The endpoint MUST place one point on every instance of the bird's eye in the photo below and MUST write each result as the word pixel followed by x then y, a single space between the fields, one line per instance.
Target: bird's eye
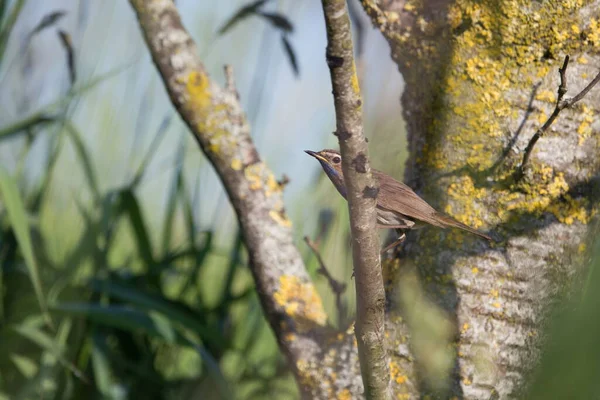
pixel 336 160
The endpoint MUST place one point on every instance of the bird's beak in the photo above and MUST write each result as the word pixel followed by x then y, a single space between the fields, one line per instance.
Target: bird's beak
pixel 315 155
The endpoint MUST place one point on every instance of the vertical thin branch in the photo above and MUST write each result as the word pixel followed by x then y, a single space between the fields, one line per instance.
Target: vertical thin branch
pixel 362 190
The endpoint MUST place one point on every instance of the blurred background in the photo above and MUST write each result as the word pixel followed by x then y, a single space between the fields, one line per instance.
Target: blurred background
pixel 115 228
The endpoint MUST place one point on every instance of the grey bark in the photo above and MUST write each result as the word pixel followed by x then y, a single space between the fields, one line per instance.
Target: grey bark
pixel 471 69
pixel 361 193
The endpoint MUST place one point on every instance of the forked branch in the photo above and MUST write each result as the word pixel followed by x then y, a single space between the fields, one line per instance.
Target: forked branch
pixel 560 105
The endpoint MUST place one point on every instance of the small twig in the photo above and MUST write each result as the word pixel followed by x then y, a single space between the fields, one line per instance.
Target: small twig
pixel 337 287
pixel 230 80
pixel 283 181
pixel 560 105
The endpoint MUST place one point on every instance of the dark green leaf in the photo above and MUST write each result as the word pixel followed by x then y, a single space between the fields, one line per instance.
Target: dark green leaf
pixel 129 204
pixel 291 55
pixel 242 14
pixel 114 316
pixel 279 21
pixel 175 311
pixel 47 21
pixel 173 196
pixel 65 40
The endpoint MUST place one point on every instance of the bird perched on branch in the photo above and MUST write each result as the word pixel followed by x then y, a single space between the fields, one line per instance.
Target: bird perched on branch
pixel 398 206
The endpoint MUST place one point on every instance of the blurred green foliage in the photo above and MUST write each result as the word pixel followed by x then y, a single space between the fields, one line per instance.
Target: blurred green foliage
pixel 93 304
pixel 570 364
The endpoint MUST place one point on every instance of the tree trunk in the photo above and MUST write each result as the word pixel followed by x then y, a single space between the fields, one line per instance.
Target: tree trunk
pixel 481 78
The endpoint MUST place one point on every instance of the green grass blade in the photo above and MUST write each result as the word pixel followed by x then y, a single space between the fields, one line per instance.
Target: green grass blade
pixel 35 120
pixel 115 316
pixel 86 161
pixel 129 205
pixel 174 193
pixel 154 146
pixel 56 347
pixel 18 220
pixel 176 312
pixel 7 27
pixel 101 366
pixel 215 373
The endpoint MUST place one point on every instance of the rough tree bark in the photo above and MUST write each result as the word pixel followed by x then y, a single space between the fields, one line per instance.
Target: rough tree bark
pixel 481 77
pixel 361 193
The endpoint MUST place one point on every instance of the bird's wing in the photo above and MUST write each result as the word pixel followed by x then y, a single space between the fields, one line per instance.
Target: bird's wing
pixel 396 196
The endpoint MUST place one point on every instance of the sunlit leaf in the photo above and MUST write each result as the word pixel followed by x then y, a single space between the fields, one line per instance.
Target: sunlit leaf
pixel 26 366
pixel 101 366
pixel 18 220
pixel 55 347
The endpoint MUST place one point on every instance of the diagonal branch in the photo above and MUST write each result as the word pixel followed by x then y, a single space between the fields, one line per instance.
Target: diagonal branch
pixel 215 118
pixel 362 198
pixel 338 288
pixel 560 105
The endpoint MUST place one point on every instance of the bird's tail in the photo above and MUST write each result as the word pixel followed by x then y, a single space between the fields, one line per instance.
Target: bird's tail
pixel 451 222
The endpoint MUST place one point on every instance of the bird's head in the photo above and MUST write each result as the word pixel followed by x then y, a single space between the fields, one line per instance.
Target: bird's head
pixel 331 161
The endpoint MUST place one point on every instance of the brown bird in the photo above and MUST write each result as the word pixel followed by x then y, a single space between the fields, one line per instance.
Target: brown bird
pixel 398 206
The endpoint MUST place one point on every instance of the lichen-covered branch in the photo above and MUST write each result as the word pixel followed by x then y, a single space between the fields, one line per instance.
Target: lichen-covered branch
pixel 470 68
pixel 362 197
pixel 214 116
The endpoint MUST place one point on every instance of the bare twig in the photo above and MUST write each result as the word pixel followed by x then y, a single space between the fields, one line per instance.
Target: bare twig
pixel 361 194
pixel 560 105
pixel 338 288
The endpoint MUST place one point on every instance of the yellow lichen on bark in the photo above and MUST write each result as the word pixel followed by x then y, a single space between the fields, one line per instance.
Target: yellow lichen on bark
pixel 495 55
pixel 197 85
pixel 301 302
